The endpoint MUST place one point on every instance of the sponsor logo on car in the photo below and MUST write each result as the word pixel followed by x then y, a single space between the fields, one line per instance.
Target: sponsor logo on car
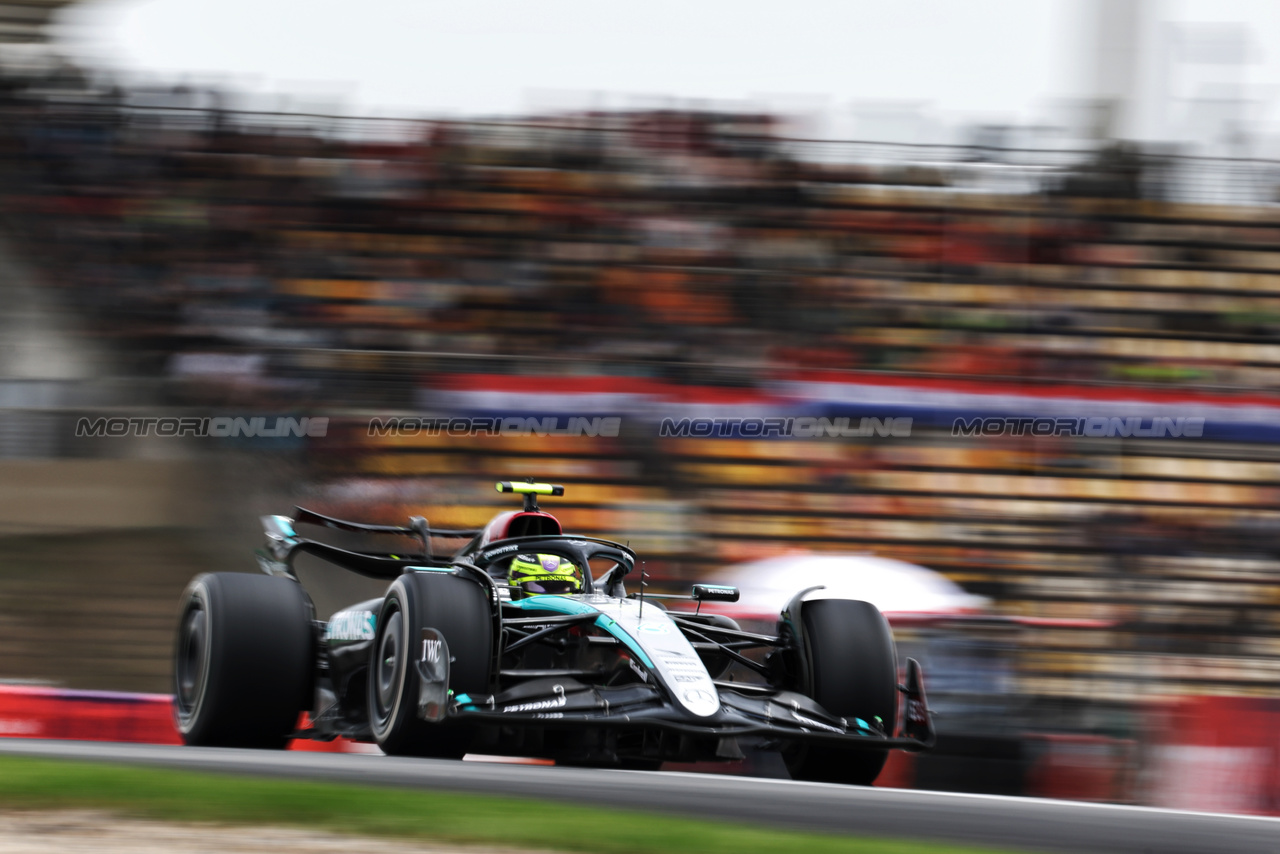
pixel 699 701
pixel 554 703
pixel 916 712
pixel 810 722
pixel 351 626
pixel 430 650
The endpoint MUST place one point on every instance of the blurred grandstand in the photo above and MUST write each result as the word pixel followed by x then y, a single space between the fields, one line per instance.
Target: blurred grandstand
pixel 24 21
pixel 669 263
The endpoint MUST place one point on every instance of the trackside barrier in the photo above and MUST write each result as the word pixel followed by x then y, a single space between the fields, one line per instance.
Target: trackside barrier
pixel 27 712
pixel 1220 754
pixel 90 715
pixel 1080 767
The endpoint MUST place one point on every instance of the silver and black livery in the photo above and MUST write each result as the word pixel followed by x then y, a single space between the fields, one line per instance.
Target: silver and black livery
pixel 448 661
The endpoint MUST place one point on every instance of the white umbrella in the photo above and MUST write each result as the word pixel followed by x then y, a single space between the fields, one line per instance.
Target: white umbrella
pixel 893 586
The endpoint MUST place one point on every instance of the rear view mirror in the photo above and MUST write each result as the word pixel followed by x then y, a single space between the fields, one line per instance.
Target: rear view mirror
pixel 714 593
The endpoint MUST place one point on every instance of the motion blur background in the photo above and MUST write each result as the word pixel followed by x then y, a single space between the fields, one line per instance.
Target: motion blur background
pixel 366 210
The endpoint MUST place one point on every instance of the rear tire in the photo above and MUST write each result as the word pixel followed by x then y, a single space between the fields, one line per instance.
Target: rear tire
pixel 852 671
pixel 243 660
pixel 459 609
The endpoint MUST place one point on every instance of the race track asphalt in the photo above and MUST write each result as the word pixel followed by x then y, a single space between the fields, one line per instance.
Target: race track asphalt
pixel 1018 823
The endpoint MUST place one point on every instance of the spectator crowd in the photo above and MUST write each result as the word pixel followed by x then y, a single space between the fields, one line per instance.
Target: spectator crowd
pixel 701 247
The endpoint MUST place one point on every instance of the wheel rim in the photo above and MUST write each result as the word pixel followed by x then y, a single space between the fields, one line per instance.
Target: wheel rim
pixel 388 670
pixel 191 657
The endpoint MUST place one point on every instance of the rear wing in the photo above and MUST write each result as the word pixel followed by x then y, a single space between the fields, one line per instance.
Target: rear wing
pixel 284 544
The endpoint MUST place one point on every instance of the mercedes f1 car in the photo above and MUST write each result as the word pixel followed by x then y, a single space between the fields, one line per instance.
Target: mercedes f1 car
pixel 465 654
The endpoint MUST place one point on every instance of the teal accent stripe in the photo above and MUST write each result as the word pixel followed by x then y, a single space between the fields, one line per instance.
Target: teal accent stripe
pixel 553 603
pixel 604 621
pixel 431 568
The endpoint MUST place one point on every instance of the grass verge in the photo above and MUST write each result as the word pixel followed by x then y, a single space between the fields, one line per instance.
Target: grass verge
pixel 376 811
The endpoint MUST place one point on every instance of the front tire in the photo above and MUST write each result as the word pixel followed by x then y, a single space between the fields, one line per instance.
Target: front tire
pixel 243 660
pixel 459 609
pixel 851 670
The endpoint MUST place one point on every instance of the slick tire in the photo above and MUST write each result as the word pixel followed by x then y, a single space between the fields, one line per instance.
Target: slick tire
pixel 851 670
pixel 243 660
pixel 459 609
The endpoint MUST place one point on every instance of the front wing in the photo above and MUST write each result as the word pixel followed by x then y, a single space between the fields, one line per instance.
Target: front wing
pixel 745 711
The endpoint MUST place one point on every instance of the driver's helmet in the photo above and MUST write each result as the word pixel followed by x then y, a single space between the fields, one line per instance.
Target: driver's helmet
pixel 534 575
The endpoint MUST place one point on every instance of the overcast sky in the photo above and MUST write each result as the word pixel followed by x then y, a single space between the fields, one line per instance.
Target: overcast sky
pixel 959 60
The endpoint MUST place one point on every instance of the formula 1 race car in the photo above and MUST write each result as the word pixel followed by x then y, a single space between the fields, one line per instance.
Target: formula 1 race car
pixel 526 643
